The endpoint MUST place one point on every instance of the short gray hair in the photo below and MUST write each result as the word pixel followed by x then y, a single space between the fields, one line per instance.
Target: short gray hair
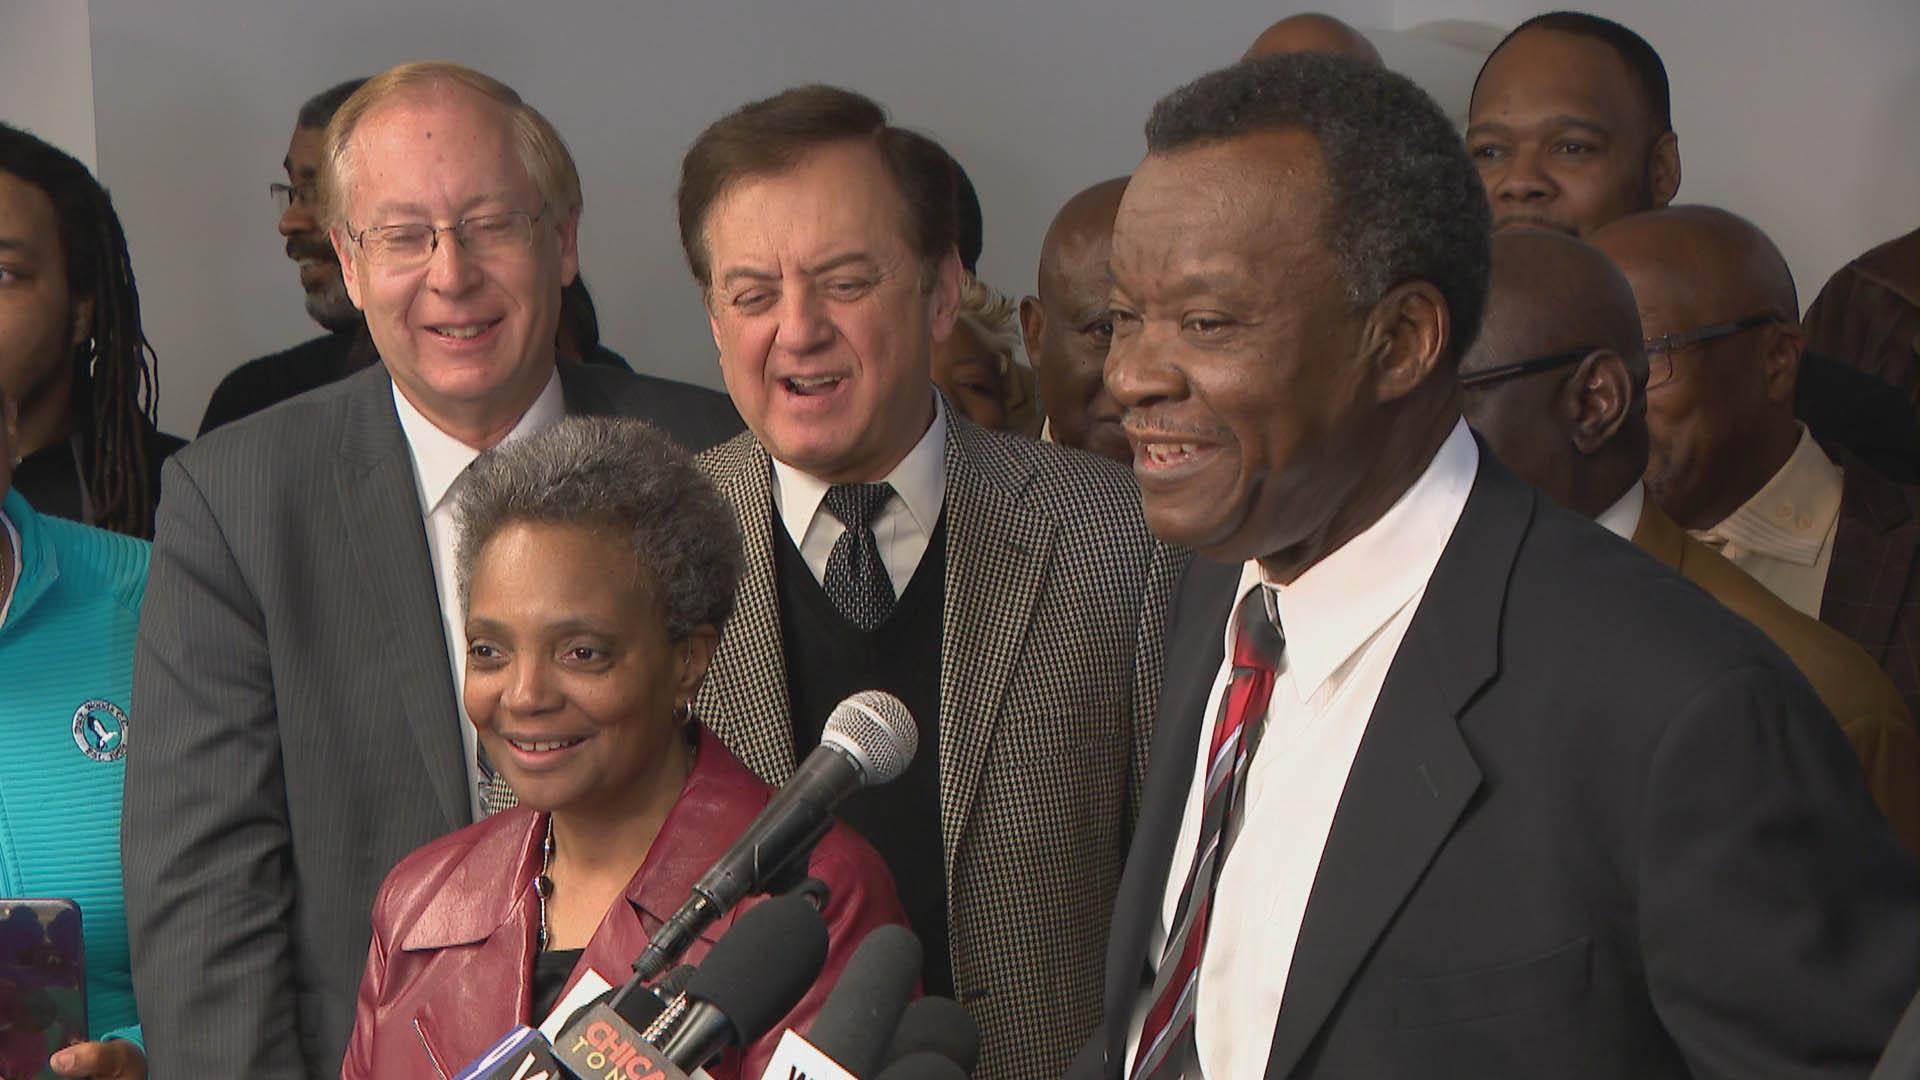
pixel 622 475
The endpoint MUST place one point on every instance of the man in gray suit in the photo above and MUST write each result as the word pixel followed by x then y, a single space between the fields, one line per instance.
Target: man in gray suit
pixel 1007 590
pixel 300 652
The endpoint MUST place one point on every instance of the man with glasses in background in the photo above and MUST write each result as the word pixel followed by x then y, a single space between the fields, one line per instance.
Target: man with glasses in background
pixel 274 378
pixel 1730 462
pixel 301 650
pixel 1555 385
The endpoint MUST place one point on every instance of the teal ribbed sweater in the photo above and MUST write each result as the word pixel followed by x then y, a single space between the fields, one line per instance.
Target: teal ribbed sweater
pixel 66 677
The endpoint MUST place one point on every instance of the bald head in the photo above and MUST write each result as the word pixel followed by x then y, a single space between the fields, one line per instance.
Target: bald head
pixel 1066 327
pixel 1313 32
pixel 1576 428
pixel 1713 257
pixel 1720 406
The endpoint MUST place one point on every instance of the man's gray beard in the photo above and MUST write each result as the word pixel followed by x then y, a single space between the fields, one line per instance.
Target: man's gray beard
pixel 333 309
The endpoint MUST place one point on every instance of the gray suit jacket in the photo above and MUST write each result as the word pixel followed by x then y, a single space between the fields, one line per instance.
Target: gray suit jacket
pixel 1055 603
pixel 298 732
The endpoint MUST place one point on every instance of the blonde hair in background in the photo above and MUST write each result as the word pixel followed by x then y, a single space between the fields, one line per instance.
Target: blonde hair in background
pixel 994 320
pixel 990 317
pixel 543 153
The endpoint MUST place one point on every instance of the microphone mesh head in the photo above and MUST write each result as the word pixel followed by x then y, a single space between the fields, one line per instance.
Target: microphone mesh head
pixel 875 728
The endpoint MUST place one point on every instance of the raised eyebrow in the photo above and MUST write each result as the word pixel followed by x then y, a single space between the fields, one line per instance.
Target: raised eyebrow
pixel 827 266
pixel 747 273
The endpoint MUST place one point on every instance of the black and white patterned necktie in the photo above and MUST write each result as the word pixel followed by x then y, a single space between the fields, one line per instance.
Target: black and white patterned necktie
pixel 857 580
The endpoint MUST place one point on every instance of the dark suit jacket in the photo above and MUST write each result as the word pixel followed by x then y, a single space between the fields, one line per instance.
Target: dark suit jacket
pixel 1597 827
pixel 1054 601
pixel 1873 583
pixel 298 732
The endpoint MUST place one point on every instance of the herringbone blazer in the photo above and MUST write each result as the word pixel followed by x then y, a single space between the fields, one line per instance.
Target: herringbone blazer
pixel 1873 583
pixel 1055 601
pixel 297 732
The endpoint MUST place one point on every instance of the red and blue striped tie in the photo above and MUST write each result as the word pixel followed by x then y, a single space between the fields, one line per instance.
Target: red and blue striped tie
pixel 1166 1036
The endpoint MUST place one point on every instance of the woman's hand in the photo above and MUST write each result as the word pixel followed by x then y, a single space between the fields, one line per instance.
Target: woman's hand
pixel 116 1059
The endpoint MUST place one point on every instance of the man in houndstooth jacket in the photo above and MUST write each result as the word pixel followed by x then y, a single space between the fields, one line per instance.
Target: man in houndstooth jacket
pixel 1007 590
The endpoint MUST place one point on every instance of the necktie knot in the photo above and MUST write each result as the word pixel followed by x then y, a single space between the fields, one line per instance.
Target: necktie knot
pixel 857 504
pixel 1257 639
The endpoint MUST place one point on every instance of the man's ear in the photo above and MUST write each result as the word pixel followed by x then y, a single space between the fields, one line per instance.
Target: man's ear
pixel 1780 365
pixel 948 280
pixel 569 248
pixel 82 318
pixel 349 270
pixel 1663 169
pixel 1405 336
pixel 1033 325
pixel 1595 401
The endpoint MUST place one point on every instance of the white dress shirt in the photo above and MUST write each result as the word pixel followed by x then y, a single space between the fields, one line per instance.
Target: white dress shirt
pixel 1784 535
pixel 1343 620
pixel 902 528
pixel 439 460
pixel 1622 519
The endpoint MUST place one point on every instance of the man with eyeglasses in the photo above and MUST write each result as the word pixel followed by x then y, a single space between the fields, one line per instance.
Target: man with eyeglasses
pixel 1555 385
pixel 271 379
pixel 1730 461
pixel 302 649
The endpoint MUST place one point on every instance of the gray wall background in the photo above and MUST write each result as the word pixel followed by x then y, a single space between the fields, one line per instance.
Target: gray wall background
pixel 1797 117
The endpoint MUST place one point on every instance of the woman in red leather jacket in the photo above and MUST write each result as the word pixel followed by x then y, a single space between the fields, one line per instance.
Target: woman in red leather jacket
pixel 596 566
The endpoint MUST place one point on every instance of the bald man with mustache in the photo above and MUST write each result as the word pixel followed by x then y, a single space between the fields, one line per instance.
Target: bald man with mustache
pixel 1555 384
pixel 1066 326
pixel 1730 461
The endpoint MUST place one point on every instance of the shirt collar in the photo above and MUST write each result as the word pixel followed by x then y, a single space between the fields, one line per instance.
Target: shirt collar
pixel 1622 519
pixel 919 482
pixel 35 563
pixel 1343 600
pixel 1792 513
pixel 439 458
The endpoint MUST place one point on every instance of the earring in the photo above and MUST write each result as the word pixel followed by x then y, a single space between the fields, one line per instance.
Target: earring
pixel 683 713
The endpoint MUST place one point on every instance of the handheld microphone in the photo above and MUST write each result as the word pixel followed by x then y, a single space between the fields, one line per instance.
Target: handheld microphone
pixel 941 1026
pixel 869 739
pixel 753 976
pixel 635 1004
pixel 923 1065
pixel 857 1021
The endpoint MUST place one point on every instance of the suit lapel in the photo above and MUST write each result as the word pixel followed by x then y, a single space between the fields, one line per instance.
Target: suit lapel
pixel 745 700
pixel 1414 774
pixel 1195 647
pixel 388 537
pixel 997 557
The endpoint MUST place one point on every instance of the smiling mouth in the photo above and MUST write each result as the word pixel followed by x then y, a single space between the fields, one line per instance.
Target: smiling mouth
pixel 463 331
pixel 1169 453
pixel 544 746
pixel 809 385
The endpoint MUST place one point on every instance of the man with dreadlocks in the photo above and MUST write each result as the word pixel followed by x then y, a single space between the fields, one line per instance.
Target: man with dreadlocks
pixel 72 354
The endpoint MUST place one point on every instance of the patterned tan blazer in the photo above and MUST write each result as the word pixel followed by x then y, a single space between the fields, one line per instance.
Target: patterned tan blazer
pixel 1055 604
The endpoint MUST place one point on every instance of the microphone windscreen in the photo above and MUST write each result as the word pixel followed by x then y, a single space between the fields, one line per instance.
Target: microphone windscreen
pixel 877 731
pixel 938 1025
pixel 856 1022
pixel 761 968
pixel 923 1065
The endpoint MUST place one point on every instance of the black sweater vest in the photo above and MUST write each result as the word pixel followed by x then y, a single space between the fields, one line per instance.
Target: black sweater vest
pixel 829 659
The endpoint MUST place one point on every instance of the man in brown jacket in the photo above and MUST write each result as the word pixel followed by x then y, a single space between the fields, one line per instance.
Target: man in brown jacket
pixel 1555 385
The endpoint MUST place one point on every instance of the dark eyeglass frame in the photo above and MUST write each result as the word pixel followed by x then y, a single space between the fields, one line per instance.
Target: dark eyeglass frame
pixel 1667 343
pixel 1503 372
pixel 285 195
